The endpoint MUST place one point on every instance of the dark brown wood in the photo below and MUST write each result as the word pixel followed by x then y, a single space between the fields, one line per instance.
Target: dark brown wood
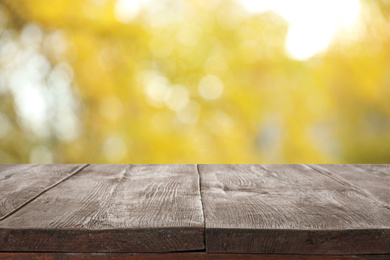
pixel 273 209
pixel 288 209
pixel 173 256
pixel 112 208
pixel 21 183
pixel 372 180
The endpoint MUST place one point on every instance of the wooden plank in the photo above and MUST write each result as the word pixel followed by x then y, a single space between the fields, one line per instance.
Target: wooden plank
pixel 373 180
pixel 21 183
pixel 113 208
pixel 288 209
pixel 173 256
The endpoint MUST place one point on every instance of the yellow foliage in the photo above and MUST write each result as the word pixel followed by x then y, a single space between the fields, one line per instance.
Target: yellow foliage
pixel 99 81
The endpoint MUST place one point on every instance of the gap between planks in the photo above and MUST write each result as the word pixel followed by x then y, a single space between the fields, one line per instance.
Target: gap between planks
pixel 42 192
pixel 201 202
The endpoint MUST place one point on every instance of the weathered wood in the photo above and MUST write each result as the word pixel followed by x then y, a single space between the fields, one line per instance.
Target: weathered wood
pixel 173 256
pixel 371 179
pixel 112 208
pixel 289 209
pixel 19 184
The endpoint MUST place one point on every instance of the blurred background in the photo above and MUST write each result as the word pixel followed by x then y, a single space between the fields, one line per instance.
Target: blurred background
pixel 194 81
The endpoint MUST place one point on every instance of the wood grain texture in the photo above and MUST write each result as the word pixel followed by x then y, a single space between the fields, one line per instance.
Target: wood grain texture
pixel 372 180
pixel 21 183
pixel 172 256
pixel 113 208
pixel 288 209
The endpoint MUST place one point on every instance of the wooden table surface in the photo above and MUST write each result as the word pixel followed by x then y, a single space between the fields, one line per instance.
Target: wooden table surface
pixel 195 210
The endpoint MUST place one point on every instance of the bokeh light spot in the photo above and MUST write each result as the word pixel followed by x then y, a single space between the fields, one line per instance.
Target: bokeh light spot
pixel 177 97
pixel 312 24
pixel 115 148
pixel 210 87
pixel 127 10
pixel 190 113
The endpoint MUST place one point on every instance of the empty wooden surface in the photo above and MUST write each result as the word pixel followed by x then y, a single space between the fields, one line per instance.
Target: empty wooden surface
pixel 21 183
pixel 290 209
pixel 373 180
pixel 112 208
pixel 251 209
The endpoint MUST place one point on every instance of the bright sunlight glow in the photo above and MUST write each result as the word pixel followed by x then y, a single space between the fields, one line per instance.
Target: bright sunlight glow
pixel 312 23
